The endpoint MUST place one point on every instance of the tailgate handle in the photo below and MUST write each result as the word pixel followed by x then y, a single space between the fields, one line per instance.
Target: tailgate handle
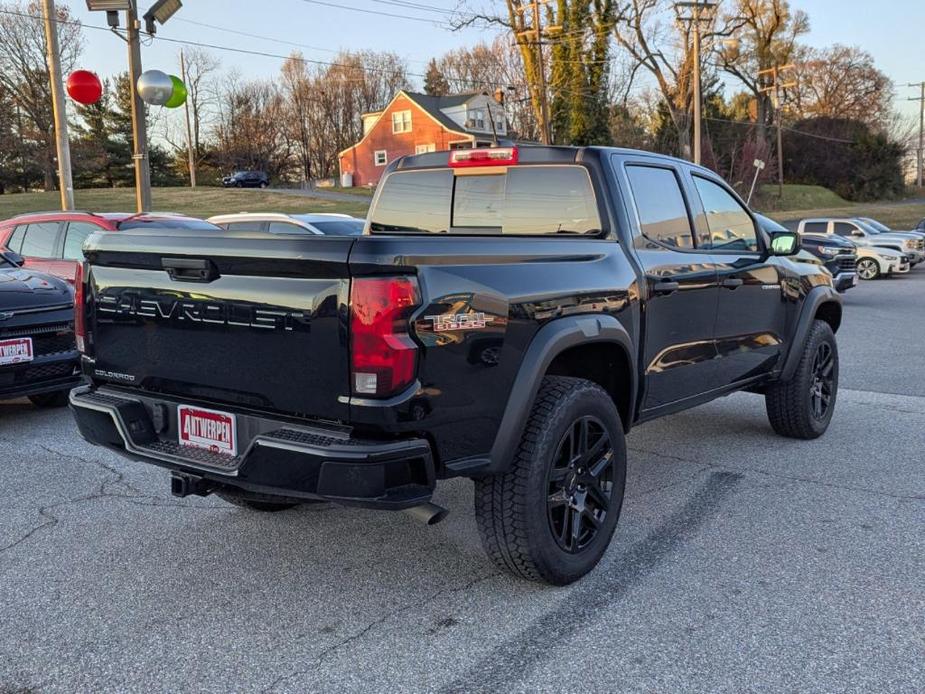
pixel 190 269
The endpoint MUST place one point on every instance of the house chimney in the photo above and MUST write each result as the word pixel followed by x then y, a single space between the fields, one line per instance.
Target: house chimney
pixel 499 96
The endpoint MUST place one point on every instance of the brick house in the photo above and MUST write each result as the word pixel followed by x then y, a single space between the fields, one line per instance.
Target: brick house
pixel 413 123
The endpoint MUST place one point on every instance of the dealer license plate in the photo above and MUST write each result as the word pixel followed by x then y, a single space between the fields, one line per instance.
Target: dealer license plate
pixel 15 351
pixel 208 429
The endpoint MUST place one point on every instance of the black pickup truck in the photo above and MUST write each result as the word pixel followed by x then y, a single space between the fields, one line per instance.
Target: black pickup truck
pixel 507 316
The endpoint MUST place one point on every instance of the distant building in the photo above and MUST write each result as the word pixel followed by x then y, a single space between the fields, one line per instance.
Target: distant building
pixel 414 123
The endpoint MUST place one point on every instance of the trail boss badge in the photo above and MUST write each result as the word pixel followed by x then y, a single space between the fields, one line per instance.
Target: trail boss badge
pixel 459 321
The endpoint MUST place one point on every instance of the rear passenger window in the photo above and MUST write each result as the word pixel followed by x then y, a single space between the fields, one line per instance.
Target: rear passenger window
pixel 77 233
pixel 40 239
pixel 15 242
pixel 844 229
pixel 731 227
pixel 286 228
pixel 660 205
pixel 518 200
pixel 815 227
pixel 245 226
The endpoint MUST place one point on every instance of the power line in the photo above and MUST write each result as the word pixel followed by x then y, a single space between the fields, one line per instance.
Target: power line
pixel 376 12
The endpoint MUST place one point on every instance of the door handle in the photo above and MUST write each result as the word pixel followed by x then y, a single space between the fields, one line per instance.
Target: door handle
pixel 733 283
pixel 665 287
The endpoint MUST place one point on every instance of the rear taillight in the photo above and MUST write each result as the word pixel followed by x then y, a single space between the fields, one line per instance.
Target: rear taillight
pixel 383 357
pixel 80 312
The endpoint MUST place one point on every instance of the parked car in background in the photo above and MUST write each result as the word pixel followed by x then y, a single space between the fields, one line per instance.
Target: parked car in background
pixel 328 224
pixel 51 241
pixel 38 350
pixel 874 262
pixel 884 229
pixel 864 234
pixel 247 179
pixel 838 255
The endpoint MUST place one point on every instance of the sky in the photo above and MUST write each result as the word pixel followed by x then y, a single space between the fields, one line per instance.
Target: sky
pixel 319 28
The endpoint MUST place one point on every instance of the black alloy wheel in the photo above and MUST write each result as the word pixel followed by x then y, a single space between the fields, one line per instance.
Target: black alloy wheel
pixel 580 484
pixel 823 381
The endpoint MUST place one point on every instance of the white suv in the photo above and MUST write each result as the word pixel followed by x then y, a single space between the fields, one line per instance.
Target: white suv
pixel 325 224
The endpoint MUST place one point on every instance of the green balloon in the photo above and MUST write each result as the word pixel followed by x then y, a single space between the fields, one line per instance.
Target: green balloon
pixel 178 97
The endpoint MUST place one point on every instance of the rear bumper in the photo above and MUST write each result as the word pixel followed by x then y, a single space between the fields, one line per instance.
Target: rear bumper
pixel 44 374
pixel 276 456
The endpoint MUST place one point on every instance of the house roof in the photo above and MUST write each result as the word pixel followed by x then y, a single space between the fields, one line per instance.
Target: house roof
pixel 434 105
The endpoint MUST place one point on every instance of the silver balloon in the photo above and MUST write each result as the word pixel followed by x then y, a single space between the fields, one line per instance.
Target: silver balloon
pixel 155 87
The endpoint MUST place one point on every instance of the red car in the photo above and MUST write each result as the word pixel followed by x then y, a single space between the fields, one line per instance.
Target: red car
pixel 51 241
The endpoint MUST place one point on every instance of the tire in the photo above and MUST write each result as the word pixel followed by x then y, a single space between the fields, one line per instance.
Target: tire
pixel 263 185
pixel 254 502
pixel 868 269
pixel 526 515
pixel 802 407
pixel 239 185
pixel 48 400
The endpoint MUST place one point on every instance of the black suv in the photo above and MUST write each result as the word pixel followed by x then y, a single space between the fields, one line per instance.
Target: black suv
pixel 507 316
pixel 38 353
pixel 246 179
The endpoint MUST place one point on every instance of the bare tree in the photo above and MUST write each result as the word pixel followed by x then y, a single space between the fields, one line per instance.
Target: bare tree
pixel 768 31
pixel 842 82
pixel 664 50
pixel 24 73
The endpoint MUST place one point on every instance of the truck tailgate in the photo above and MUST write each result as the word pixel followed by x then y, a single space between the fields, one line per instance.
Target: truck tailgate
pixel 249 320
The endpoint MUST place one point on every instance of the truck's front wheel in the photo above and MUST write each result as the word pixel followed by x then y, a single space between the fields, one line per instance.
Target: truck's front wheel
pixel 550 517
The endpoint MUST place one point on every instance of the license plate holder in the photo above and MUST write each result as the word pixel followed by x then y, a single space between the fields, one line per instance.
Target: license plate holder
pixel 16 351
pixel 209 430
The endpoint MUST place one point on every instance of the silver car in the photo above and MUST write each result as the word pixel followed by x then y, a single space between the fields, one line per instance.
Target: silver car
pixel 324 224
pixel 863 234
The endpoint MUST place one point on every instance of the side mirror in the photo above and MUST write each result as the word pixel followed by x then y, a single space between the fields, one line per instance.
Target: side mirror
pixel 857 232
pixel 783 243
pixel 14 258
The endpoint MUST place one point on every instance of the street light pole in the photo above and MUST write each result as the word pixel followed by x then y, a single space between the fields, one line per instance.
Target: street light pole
pixel 58 106
pixel 693 14
pixel 139 130
pixel 921 153
pixel 190 149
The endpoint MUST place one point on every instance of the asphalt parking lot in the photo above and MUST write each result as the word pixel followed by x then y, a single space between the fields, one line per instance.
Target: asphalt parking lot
pixel 743 562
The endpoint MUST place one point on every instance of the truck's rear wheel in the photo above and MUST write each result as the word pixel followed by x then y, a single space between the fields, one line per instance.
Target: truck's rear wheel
pixel 255 502
pixel 802 407
pixel 550 517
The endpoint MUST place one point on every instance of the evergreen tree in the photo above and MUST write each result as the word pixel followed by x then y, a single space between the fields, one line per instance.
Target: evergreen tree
pixel 435 83
pixel 580 110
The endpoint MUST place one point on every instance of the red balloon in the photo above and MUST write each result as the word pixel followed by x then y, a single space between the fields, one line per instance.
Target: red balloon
pixel 84 87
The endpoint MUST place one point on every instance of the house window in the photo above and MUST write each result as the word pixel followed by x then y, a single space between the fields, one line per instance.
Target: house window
pixel 421 149
pixel 476 119
pixel 381 157
pixel 401 122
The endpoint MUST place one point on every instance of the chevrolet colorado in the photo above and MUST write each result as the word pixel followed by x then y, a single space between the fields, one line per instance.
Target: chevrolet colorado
pixel 507 316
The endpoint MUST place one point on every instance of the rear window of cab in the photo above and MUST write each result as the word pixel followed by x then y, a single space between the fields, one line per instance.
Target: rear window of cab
pixel 516 200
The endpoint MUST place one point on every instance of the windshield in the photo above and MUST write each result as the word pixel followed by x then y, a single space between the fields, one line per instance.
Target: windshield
pixel 340 227
pixel 866 227
pixel 874 224
pixel 526 200
pixel 166 223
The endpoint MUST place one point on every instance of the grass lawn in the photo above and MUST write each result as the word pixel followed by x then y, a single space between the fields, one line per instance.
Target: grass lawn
pixel 798 197
pixel 199 202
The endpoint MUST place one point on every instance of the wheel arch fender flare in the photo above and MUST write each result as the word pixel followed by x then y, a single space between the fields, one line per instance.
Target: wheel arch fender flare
pixel 830 303
pixel 550 341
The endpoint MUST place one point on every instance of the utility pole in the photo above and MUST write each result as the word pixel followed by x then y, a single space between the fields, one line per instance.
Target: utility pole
pixel 58 106
pixel 696 15
pixel 139 130
pixel 537 32
pixel 921 153
pixel 189 130
pixel 773 87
